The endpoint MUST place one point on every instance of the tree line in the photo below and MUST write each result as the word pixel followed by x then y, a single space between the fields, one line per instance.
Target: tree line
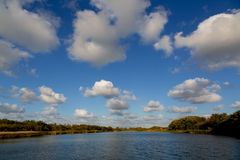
pixel 218 124
pixel 31 125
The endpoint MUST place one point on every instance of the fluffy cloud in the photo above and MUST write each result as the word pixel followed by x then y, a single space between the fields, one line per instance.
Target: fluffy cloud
pixel 164 44
pixel 25 28
pixel 153 25
pixel 153 106
pixel 116 99
pixel 95 40
pixel 125 14
pixel 82 113
pixel 218 108
pixel 10 55
pixel 153 117
pixel 50 97
pixel 117 104
pixel 97 35
pixel 101 88
pixel 28 30
pixel 215 43
pixel 236 105
pixel 10 108
pixel 176 109
pixel 25 94
pixel 198 90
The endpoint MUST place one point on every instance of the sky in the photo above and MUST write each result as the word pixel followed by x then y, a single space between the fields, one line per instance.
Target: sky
pixel 118 63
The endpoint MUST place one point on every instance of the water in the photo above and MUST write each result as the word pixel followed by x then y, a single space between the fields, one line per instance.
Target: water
pixel 121 146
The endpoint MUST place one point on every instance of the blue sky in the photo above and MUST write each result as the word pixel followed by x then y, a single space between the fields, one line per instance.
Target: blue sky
pixel 118 63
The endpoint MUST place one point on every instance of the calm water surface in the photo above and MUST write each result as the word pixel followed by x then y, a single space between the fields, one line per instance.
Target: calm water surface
pixel 122 146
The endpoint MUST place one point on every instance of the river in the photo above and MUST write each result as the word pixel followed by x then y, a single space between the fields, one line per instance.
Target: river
pixel 121 146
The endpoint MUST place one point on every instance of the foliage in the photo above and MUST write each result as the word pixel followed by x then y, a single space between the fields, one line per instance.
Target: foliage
pixel 186 123
pixel 229 127
pixel 220 124
pixel 10 125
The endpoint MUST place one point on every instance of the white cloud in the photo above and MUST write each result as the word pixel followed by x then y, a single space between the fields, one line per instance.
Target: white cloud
pixel 153 25
pixel 50 97
pixel 236 105
pixel 215 43
pixel 153 117
pixel 25 94
pixel 128 96
pixel 117 104
pixel 164 44
pixel 198 90
pixel 95 40
pixel 218 108
pixel 101 88
pixel 82 113
pixel 125 13
pixel 10 55
pixel 50 111
pixel 98 34
pixel 176 109
pixel 26 28
pixel 116 99
pixel 153 106
pixel 7 108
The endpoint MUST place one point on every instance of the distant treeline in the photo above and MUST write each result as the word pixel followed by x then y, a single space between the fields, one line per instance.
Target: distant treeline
pixel 31 125
pixel 218 124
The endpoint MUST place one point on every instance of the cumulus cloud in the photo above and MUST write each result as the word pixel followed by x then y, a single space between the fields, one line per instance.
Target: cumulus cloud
pixel 196 91
pixel 50 97
pixel 10 55
pixel 95 40
pixel 23 29
pixel 218 108
pixel 176 109
pixel 101 88
pixel 98 35
pixel 236 105
pixel 153 25
pixel 116 104
pixel 215 42
pixel 125 14
pixel 26 28
pixel 164 44
pixel 153 106
pixel 153 117
pixel 7 108
pixel 82 114
pixel 116 99
pixel 26 95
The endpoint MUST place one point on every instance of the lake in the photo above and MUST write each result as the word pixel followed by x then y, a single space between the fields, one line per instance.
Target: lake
pixel 121 146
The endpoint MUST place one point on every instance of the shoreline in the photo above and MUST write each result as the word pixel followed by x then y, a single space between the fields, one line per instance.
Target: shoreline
pixel 28 134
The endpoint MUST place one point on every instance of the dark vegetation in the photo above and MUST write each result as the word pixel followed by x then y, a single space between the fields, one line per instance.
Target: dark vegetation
pixel 32 128
pixel 10 125
pixel 218 124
